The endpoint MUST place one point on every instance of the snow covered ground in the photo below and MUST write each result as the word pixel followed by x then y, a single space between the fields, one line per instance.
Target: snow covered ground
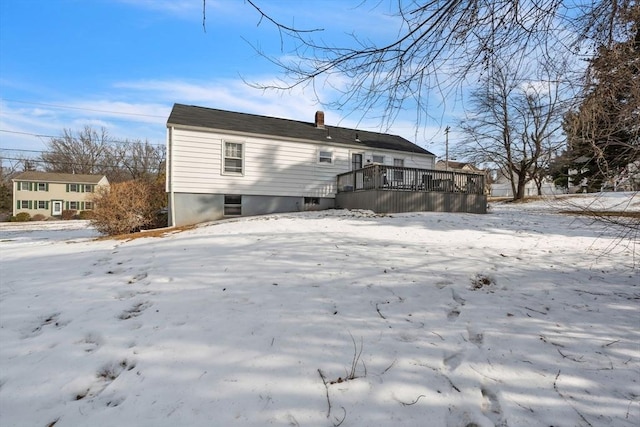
pixel 521 317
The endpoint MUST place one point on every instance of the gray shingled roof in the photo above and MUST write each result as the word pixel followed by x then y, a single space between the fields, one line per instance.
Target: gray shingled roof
pixel 70 178
pixel 210 118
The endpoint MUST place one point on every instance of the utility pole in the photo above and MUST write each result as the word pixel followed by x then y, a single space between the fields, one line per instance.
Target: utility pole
pixel 446 147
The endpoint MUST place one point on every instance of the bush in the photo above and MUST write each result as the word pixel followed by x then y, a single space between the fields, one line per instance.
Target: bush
pixel 38 217
pixel 69 214
pixel 85 215
pixel 21 217
pixel 127 207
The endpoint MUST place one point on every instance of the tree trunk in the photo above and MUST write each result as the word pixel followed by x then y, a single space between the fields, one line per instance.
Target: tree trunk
pixel 522 181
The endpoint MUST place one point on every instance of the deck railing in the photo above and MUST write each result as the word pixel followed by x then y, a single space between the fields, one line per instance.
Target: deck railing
pixel 383 177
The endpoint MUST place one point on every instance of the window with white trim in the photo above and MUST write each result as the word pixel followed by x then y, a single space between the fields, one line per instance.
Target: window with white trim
pixel 88 206
pixel 74 188
pixel 24 204
pixel 233 158
pixel 23 186
pixel 74 206
pixel 42 186
pixel 377 159
pixel 42 204
pixel 88 188
pixel 325 156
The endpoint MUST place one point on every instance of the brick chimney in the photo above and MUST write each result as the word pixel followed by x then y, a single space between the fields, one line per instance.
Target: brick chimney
pixel 320 119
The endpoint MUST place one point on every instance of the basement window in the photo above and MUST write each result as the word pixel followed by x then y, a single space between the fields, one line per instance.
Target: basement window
pixel 232 205
pixel 313 201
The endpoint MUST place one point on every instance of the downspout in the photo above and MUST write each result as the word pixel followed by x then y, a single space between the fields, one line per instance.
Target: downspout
pixel 172 198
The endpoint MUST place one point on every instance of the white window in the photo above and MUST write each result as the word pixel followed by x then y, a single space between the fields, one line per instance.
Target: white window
pixel 23 186
pixel 74 206
pixel 42 204
pixel 398 175
pixel 356 161
pixel 88 206
pixel 377 159
pixel 88 188
pixel 232 205
pixel 42 186
pixel 233 158
pixel 24 204
pixel 74 188
pixel 325 156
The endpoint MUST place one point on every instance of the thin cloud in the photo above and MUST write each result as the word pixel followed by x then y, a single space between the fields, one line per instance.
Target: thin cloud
pixel 180 8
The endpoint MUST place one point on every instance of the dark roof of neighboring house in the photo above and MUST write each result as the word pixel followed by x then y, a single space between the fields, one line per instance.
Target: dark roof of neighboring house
pixel 71 178
pixel 210 118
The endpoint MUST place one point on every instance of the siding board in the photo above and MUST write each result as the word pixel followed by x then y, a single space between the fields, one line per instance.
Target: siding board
pixel 271 167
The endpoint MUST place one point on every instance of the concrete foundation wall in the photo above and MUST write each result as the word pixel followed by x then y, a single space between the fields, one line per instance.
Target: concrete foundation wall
pixel 197 208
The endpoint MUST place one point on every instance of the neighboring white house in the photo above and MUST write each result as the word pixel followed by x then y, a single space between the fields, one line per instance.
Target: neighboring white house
pixel 501 187
pixel 224 164
pixel 49 194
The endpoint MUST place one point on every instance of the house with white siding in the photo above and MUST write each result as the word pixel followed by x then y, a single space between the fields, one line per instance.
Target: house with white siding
pixel 48 194
pixel 223 164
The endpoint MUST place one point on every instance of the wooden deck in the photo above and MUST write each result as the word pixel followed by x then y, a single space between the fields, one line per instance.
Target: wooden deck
pixel 391 189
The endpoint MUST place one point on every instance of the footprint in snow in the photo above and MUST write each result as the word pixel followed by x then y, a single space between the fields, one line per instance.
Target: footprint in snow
pixel 138 277
pixel 135 311
pixel 441 284
pixel 91 342
pixel 453 314
pixel 104 377
pixel 452 361
pixel 491 407
pixel 457 298
pixel 475 337
pixel 49 320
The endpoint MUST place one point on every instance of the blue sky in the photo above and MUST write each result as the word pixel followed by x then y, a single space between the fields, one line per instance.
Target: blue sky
pixel 121 64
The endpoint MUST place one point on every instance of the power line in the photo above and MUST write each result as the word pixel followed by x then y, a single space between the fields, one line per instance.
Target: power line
pixel 97 165
pixel 23 151
pixel 116 141
pixel 82 109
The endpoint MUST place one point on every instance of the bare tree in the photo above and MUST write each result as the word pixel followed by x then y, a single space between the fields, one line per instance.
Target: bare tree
pixel 94 152
pixel 84 152
pixel 142 160
pixel 513 124
pixel 541 111
pixel 440 43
